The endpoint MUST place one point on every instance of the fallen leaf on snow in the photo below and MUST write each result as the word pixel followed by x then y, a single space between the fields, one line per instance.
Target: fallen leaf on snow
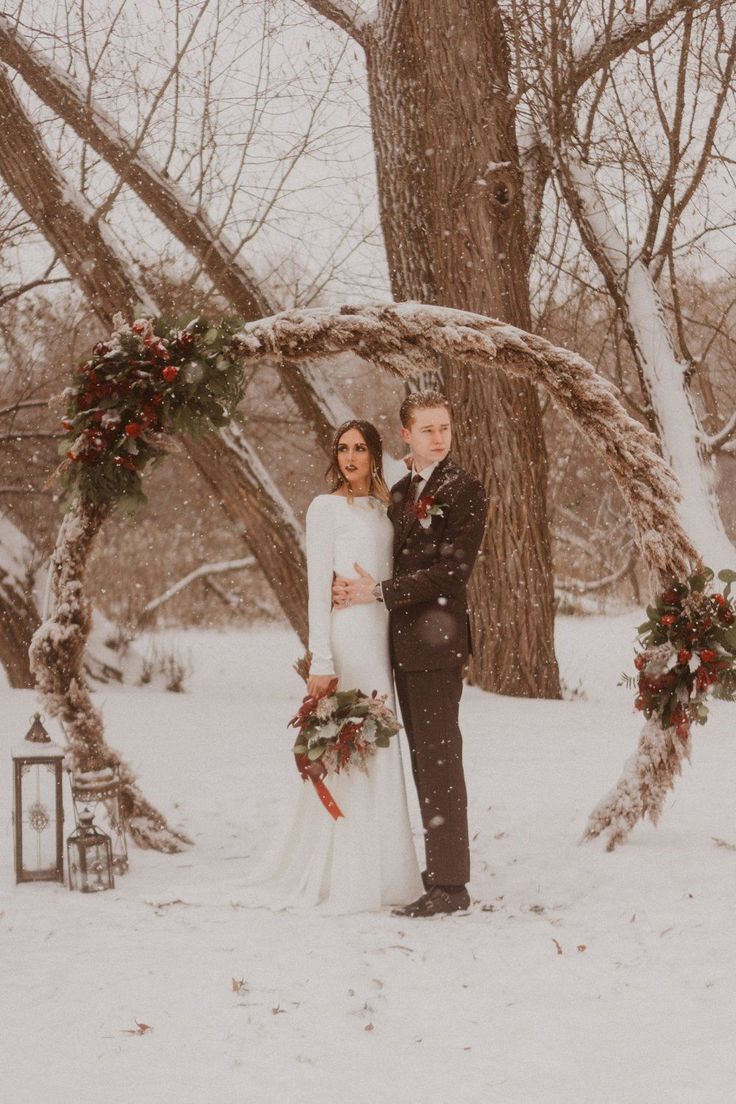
pixel 239 984
pixel 278 1009
pixel 139 1029
pixel 723 843
pixel 558 946
pixel 369 1027
pixel 582 947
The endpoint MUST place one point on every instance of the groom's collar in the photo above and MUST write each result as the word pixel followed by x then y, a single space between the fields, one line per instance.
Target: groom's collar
pixel 425 473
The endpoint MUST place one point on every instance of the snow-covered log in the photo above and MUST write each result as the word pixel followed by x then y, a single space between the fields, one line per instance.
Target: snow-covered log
pixel 402 337
pixel 663 375
pixel 57 657
pixel 204 571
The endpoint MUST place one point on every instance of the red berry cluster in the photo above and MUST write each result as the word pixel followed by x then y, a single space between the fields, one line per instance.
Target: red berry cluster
pixel 145 380
pixel 118 396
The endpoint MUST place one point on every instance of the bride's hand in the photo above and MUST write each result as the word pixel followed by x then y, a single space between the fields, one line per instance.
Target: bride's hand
pixel 339 592
pixel 319 685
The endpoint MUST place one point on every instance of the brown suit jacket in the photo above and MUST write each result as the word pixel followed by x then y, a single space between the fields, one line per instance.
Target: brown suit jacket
pixel 426 598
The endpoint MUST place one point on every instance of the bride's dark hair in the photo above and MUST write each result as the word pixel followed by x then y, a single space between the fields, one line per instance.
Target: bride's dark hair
pixel 372 438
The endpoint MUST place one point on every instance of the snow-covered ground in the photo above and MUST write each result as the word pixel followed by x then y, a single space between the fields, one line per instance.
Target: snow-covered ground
pixel 579 977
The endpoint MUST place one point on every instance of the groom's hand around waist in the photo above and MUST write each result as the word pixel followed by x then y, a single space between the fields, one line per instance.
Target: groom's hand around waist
pixel 354 592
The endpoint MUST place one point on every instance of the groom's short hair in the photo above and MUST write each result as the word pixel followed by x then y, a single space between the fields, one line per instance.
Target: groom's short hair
pixel 420 400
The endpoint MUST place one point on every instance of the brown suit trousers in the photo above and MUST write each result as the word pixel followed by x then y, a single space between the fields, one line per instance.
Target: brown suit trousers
pixel 429 703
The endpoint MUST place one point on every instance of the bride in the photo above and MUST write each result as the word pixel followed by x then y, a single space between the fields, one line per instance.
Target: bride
pixel 365 859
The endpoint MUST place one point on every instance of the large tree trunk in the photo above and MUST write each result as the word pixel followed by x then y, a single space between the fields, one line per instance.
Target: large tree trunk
pixel 452 213
pixel 240 490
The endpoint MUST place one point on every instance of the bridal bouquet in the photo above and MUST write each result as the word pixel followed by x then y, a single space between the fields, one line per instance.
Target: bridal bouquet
pixel 340 728
pixel 343 728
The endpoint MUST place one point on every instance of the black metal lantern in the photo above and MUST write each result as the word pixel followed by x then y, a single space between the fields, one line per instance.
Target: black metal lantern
pixel 99 791
pixel 89 857
pixel 39 811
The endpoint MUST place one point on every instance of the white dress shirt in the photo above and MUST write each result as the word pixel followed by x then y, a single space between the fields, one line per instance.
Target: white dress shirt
pixel 425 474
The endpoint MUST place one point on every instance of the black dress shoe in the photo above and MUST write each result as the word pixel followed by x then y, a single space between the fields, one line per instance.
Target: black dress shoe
pixel 436 902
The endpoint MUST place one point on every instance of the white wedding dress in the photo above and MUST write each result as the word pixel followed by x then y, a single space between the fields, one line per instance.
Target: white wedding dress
pixel 366 859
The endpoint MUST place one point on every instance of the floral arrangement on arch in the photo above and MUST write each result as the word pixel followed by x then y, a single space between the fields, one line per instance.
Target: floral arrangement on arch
pixel 149 380
pixel 688 650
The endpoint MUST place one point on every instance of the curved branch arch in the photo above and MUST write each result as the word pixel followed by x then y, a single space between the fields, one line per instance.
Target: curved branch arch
pixel 403 339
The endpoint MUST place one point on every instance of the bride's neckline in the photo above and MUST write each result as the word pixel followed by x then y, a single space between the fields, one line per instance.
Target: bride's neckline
pixel 369 498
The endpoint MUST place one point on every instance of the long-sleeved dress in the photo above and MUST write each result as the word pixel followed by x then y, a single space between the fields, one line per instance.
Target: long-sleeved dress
pixel 367 858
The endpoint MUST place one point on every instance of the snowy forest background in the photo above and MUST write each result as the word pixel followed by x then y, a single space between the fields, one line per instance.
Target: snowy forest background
pixel 258 112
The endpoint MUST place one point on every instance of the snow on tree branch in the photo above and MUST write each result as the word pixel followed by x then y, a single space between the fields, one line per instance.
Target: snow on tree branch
pixel 662 374
pixel 578 586
pixel 56 207
pixel 201 572
pixel 719 439
pixel 404 338
pixel 647 778
pixel 626 29
pixel 346 14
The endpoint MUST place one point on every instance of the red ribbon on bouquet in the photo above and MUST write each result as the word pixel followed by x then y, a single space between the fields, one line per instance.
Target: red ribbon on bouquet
pixel 322 792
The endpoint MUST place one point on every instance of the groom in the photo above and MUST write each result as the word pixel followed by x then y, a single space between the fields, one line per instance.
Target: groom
pixel 438 512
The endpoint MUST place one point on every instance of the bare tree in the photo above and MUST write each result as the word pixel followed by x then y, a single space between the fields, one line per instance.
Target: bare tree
pixel 228 462
pixel 607 164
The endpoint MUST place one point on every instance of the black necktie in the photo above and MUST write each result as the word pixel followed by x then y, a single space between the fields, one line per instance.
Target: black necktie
pixel 411 496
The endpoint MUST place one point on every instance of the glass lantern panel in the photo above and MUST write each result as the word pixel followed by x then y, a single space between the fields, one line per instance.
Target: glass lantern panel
pixel 90 865
pixel 109 819
pixel 38 813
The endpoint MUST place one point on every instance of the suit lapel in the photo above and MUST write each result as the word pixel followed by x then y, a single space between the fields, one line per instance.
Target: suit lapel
pixel 404 528
pixel 396 510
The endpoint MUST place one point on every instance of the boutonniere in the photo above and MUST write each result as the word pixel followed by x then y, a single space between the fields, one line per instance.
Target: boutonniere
pixel 427 507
